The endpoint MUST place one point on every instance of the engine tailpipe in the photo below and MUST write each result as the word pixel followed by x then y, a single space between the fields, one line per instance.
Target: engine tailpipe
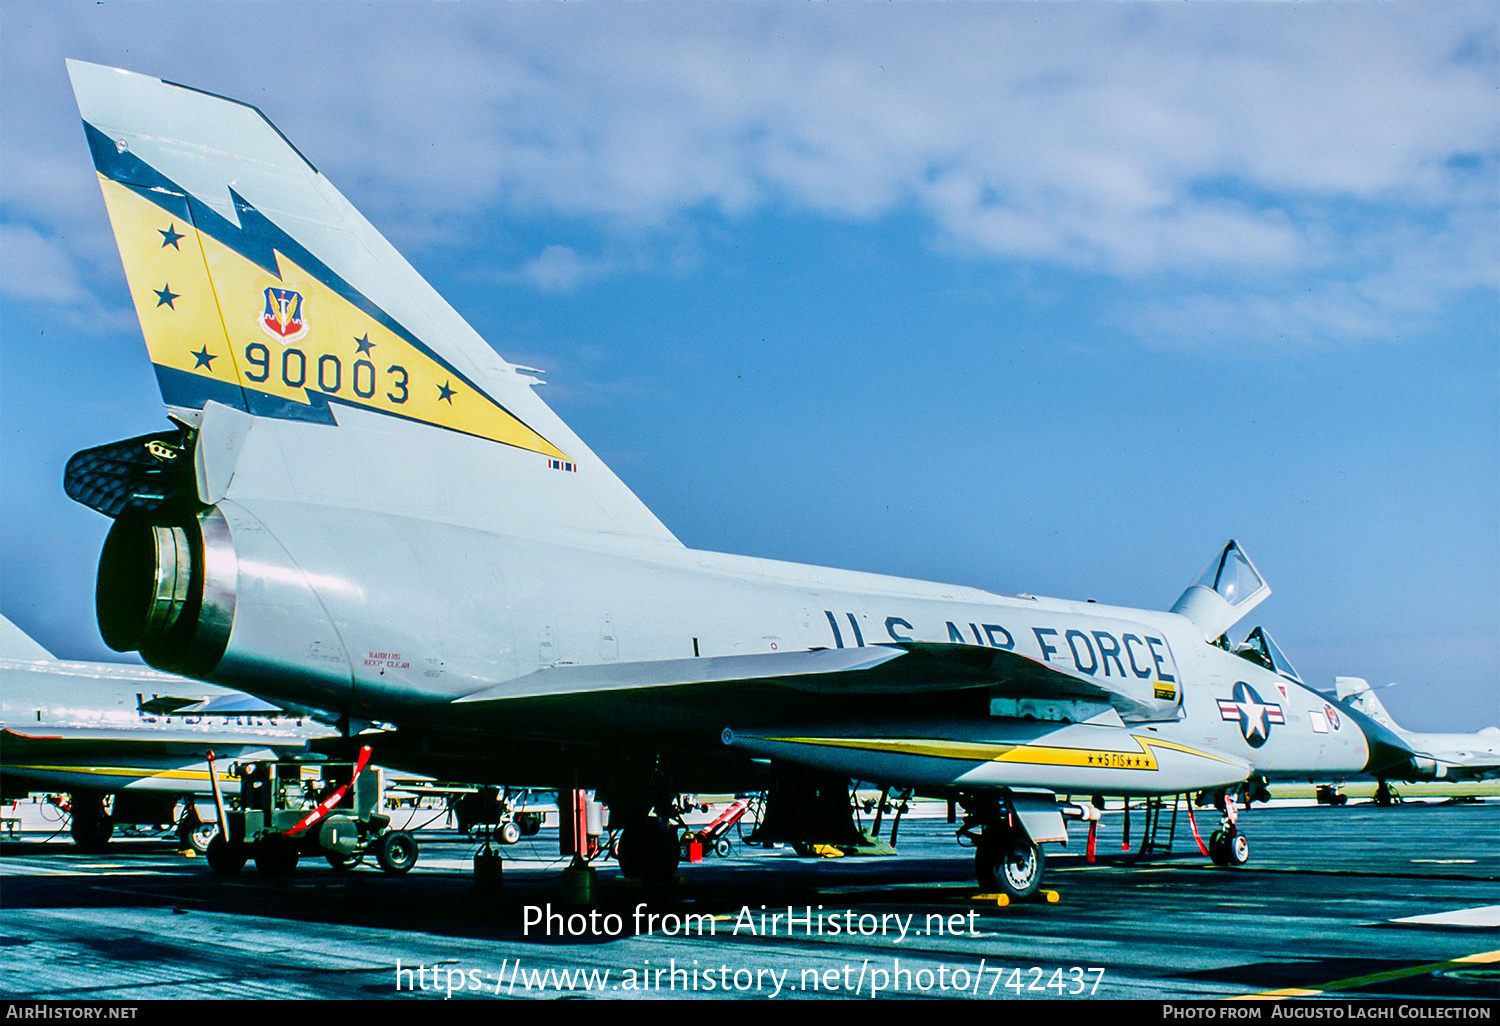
pixel 167 590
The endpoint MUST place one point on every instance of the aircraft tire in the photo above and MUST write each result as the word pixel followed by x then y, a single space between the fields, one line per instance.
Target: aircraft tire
pixel 489 871
pixel 648 850
pixel 343 863
pixel 530 823
pixel 396 851
pixel 92 825
pixel 508 833
pixel 1238 850
pixel 1010 862
pixel 194 834
pixel 1228 848
pixel 277 856
pixel 1217 848
pixel 224 858
pixel 721 847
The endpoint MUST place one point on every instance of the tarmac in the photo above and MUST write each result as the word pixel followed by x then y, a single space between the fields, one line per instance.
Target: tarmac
pixel 1351 902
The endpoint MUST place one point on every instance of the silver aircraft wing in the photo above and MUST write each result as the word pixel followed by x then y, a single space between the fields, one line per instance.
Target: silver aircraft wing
pixel 163 738
pixel 902 668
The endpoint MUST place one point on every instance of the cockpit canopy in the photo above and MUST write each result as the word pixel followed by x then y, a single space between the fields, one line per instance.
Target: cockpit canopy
pixel 1232 575
pixel 1227 589
pixel 1259 648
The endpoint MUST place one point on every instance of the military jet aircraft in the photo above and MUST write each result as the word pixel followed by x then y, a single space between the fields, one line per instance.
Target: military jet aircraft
pixel 127 744
pixel 1433 756
pixel 361 508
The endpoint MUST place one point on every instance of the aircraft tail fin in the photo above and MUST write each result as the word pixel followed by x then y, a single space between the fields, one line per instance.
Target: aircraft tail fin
pixel 17 644
pixel 1356 691
pixel 259 287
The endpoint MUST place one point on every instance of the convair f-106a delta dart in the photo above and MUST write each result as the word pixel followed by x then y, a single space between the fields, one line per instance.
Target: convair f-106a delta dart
pixel 506 609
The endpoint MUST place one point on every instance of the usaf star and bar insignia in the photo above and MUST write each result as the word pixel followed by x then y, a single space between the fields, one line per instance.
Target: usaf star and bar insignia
pixel 1254 716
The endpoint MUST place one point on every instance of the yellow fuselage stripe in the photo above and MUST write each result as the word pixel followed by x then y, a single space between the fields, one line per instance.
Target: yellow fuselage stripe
pixel 1037 755
pixel 123 771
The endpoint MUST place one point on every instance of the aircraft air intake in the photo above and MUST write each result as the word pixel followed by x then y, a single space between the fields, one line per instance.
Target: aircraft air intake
pixel 167 590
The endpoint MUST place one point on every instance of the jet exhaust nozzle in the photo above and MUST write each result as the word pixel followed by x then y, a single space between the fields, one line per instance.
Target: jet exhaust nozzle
pixel 167 590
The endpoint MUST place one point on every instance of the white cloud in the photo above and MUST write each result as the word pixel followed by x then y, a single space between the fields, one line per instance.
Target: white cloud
pixel 1397 277
pixel 561 269
pixel 36 268
pixel 1184 140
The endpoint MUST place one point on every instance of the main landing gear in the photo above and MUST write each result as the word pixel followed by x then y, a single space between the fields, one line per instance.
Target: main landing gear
pixel 647 849
pixel 192 833
pixel 92 823
pixel 1006 859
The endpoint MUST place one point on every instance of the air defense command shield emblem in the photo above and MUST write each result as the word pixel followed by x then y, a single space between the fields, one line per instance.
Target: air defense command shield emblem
pixel 283 317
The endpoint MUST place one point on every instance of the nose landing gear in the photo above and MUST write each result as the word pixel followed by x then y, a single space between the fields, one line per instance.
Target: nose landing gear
pixel 1227 846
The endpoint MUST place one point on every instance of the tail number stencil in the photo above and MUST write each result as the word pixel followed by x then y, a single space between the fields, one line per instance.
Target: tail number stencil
pixel 327 374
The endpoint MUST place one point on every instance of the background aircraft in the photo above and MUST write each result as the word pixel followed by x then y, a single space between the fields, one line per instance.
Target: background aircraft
pixel 128 744
pixel 363 509
pixel 1473 756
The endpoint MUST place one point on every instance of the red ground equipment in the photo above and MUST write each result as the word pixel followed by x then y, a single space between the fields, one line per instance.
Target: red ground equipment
pixel 713 837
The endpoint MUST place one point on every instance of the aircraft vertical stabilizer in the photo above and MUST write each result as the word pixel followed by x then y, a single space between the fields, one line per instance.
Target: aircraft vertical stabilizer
pixel 261 289
pixel 17 644
pixel 1356 691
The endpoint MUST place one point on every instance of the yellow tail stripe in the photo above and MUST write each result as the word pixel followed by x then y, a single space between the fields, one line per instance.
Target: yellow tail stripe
pixel 170 285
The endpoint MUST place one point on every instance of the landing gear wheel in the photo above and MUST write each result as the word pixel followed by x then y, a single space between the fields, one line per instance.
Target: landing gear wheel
pixel 194 834
pixel 489 871
pixel 396 851
pixel 277 856
pixel 343 863
pixel 1229 848
pixel 1009 861
pixel 224 858
pixel 530 823
pixel 648 850
pixel 92 824
pixel 721 847
pixel 508 833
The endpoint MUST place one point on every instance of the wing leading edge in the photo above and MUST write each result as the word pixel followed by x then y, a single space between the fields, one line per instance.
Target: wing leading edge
pixel 904 668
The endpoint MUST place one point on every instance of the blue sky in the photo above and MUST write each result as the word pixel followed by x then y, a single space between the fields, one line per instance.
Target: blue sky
pixel 1042 298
